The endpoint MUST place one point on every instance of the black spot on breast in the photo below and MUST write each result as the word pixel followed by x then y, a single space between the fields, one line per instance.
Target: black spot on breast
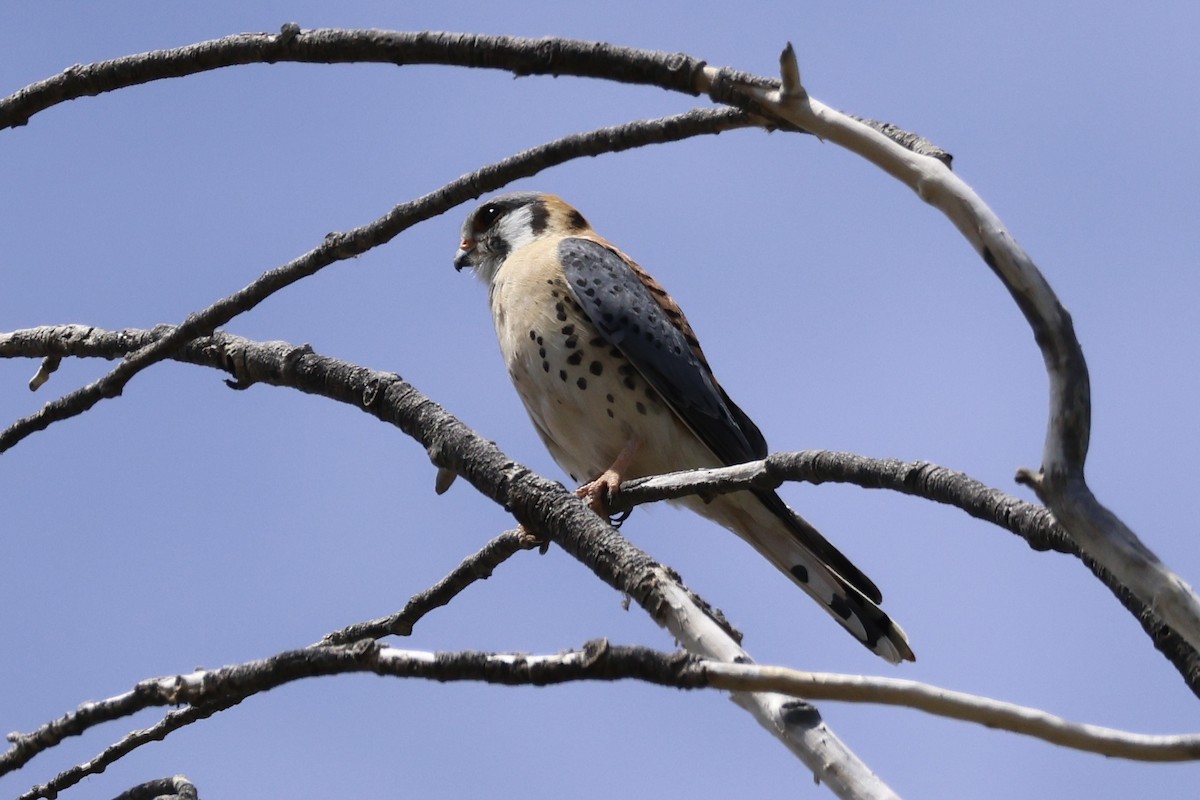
pixel 562 374
pixel 581 383
pixel 629 382
pixel 542 352
pixel 540 340
pixel 610 398
pixel 576 221
pixel 611 415
pixel 539 217
pixel 576 358
pixel 567 330
pixel 641 407
pixel 545 366
pixel 596 368
pixel 532 335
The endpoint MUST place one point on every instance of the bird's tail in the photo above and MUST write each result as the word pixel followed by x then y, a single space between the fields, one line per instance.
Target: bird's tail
pixel 813 564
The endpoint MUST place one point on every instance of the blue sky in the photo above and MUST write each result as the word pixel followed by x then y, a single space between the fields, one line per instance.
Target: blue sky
pixel 184 524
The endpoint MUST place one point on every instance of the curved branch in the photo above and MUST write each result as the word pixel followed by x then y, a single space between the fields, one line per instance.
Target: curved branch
pixel 1060 484
pixel 600 661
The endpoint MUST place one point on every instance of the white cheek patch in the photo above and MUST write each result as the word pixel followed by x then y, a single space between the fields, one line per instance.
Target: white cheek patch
pixel 513 231
pixel 516 228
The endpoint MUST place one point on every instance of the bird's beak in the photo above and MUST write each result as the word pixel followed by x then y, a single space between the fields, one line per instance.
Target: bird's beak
pixel 465 255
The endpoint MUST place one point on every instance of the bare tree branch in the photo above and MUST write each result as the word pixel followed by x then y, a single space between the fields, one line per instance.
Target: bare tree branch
pixel 475 567
pixel 548 56
pixel 1035 524
pixel 26 746
pixel 172 721
pixel 341 246
pixel 176 787
pixel 1109 547
pixel 672 71
pixel 541 505
pixel 1060 484
pixel 599 660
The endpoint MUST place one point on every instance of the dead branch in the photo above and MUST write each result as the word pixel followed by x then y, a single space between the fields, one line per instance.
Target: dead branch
pixel 1035 524
pixel 601 661
pixel 542 506
pixel 1060 482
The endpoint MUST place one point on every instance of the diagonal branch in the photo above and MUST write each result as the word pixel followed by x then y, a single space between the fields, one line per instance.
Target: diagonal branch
pixel 341 246
pixel 476 567
pixel 1036 525
pixel 541 505
pixel 25 747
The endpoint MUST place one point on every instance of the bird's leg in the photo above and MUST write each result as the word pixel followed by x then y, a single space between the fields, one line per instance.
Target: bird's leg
pixel 602 489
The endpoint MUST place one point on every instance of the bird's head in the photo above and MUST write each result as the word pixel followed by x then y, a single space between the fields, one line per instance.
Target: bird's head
pixel 507 223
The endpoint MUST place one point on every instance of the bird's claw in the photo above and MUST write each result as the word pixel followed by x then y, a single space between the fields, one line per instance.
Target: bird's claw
pixel 528 540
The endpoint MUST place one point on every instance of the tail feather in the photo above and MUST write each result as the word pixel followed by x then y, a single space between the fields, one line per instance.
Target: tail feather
pixel 796 548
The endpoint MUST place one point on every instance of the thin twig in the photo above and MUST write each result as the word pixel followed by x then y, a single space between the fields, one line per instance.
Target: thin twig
pixel 475 567
pixel 25 746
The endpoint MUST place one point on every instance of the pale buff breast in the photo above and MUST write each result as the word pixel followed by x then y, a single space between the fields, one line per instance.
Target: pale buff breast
pixel 584 397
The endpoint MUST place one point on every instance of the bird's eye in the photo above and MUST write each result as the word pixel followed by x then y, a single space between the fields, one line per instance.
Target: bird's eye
pixel 487 216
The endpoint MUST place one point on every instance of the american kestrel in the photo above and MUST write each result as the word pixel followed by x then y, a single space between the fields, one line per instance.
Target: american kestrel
pixel 617 386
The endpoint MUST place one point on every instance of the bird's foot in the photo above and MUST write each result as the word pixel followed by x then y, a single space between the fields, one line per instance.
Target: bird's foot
pixel 528 540
pixel 598 494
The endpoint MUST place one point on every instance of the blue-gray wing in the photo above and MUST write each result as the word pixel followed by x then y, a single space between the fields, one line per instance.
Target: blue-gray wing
pixel 634 314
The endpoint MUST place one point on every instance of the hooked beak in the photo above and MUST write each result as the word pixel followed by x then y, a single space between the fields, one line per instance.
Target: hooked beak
pixel 465 255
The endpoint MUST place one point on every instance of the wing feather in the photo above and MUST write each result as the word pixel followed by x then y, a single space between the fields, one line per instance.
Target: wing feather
pixel 636 315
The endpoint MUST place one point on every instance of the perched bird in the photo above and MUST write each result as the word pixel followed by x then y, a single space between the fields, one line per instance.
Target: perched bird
pixel 616 384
